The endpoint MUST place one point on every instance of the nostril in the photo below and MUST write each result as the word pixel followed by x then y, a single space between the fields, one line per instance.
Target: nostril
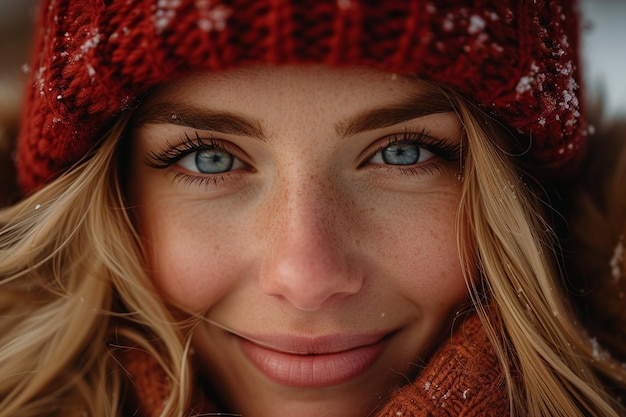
pixel 306 260
pixel 309 282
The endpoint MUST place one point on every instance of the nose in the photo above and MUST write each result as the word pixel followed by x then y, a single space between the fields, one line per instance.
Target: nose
pixel 310 265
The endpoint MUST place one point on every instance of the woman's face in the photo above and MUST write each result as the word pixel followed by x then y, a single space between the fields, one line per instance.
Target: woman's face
pixel 309 215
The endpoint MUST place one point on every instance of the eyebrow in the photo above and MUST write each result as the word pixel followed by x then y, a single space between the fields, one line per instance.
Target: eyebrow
pixel 413 108
pixel 231 123
pixel 200 119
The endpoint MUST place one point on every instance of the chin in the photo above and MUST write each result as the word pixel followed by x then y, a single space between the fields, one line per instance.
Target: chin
pixel 311 405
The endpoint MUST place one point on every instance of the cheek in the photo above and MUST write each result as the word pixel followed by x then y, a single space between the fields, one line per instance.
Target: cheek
pixel 188 257
pixel 434 279
pixel 418 249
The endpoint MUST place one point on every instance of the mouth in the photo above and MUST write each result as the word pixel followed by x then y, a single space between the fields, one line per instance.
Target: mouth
pixel 314 362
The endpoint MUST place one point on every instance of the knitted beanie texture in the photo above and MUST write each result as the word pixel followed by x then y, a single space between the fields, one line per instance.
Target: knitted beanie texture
pixel 94 60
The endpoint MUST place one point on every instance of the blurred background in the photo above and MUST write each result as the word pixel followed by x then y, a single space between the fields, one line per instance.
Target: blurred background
pixel 604 51
pixel 604 60
pixel 15 27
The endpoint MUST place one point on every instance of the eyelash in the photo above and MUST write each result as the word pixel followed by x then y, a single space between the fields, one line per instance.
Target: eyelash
pixel 443 151
pixel 170 155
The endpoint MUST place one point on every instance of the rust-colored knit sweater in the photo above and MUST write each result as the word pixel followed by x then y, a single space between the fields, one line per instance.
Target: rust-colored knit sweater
pixel 462 379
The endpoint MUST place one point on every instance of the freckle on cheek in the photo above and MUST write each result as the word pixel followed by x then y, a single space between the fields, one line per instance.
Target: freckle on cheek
pixel 443 275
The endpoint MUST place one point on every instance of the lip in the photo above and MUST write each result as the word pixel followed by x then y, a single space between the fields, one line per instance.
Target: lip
pixel 314 362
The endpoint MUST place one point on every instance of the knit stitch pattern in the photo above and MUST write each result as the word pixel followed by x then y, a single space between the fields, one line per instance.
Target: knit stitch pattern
pixel 463 379
pixel 94 60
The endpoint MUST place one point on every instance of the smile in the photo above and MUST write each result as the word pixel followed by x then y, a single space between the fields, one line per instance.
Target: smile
pixel 314 362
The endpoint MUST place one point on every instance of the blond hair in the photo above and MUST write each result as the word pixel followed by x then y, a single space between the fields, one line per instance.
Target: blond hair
pixel 73 290
pixel 551 367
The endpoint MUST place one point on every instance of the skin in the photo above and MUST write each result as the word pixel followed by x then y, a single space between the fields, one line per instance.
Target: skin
pixel 310 234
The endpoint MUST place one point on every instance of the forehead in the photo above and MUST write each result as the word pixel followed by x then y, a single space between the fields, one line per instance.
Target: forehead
pixel 303 84
pixel 350 99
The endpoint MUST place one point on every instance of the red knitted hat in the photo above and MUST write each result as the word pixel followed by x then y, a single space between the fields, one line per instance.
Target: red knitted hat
pixel 93 59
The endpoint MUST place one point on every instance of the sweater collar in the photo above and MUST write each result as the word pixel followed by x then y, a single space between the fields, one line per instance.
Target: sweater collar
pixel 463 377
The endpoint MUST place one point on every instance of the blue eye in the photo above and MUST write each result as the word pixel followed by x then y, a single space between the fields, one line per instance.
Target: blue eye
pixel 210 161
pixel 402 153
pixel 209 158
